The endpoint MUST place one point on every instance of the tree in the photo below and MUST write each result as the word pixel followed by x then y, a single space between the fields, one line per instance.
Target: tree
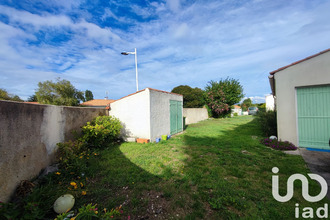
pixel 246 104
pixel 61 92
pixel 32 98
pixel 219 96
pixel 88 95
pixel 4 95
pixel 192 98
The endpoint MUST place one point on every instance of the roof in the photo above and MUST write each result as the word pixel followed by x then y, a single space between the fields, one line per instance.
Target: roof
pixel 292 64
pixel 98 102
pixel 32 103
pixel 237 106
pixel 149 89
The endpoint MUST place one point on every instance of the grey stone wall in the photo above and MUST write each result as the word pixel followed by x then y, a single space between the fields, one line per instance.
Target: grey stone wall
pixel 28 137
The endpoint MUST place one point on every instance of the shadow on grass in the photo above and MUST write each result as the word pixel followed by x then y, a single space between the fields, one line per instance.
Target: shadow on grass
pixel 232 171
pixel 215 170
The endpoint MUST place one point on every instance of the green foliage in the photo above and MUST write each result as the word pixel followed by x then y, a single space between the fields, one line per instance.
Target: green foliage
pixel 4 95
pixel 8 211
pixel 221 95
pixel 246 104
pixel 70 154
pixel 192 97
pixel 278 145
pixel 268 122
pixel 90 211
pixel 102 130
pixel 61 92
pixel 87 212
pixel 32 98
pixel 262 107
pixel 30 211
pixel 88 95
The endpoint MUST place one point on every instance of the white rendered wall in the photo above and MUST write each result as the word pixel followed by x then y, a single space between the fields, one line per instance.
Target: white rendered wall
pixel 160 112
pixel 134 113
pixel 315 71
pixel 194 115
pixel 270 105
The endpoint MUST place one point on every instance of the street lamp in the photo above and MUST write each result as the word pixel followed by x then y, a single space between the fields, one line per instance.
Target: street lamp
pixel 136 71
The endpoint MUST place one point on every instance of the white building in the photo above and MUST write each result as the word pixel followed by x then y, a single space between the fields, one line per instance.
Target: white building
pixel 270 103
pixel 302 91
pixel 149 113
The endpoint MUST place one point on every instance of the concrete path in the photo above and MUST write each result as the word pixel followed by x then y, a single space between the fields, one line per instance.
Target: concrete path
pixel 319 163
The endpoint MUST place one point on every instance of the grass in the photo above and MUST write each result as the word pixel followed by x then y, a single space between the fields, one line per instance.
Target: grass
pixel 216 169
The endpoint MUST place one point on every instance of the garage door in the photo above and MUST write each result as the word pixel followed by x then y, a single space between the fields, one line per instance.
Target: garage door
pixel 176 116
pixel 313 106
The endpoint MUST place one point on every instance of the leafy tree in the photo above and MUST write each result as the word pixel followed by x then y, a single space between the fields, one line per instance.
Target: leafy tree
pixel 192 97
pixel 32 98
pixel 4 95
pixel 61 92
pixel 88 95
pixel 247 103
pixel 221 95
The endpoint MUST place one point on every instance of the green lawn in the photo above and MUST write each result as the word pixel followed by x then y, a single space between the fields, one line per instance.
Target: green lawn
pixel 216 169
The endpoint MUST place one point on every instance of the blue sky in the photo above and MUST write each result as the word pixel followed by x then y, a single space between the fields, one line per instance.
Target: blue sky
pixel 178 42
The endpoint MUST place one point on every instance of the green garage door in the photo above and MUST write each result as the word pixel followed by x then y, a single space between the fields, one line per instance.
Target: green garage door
pixel 313 106
pixel 176 116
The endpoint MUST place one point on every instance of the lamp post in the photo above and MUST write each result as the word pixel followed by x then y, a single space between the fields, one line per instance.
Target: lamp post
pixel 136 71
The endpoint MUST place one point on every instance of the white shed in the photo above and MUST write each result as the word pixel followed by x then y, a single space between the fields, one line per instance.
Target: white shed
pixel 149 113
pixel 302 100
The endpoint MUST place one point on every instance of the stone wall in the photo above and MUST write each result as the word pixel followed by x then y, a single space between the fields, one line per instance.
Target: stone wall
pixel 28 137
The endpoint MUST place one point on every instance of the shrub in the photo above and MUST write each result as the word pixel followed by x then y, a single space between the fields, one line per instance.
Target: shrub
pixel 278 145
pixel 219 96
pixel 69 153
pixel 235 114
pixel 268 123
pixel 101 130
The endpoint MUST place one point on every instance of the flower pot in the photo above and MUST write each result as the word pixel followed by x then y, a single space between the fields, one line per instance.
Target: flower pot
pixel 164 137
pixel 142 140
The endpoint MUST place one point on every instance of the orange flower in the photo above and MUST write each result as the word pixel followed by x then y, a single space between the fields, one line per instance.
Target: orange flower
pixel 83 193
pixel 74 185
pixel 58 173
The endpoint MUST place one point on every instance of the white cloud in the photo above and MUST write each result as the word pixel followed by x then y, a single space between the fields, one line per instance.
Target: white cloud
pixel 177 42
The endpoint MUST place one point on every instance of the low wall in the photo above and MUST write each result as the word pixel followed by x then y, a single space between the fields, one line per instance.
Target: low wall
pixel 194 115
pixel 28 137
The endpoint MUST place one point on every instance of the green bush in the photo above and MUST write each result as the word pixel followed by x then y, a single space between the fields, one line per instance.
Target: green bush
pixel 268 122
pixel 101 131
pixel 70 154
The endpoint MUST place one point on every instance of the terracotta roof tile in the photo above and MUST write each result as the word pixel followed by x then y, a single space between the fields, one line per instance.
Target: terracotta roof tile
pixel 98 102
pixel 307 58
pixel 32 103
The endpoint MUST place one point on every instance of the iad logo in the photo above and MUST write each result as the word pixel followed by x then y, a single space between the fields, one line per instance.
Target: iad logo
pixel 307 211
pixel 304 181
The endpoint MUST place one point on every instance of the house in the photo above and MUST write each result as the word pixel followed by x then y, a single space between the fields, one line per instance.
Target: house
pixel 98 103
pixel 270 103
pixel 149 113
pixel 236 109
pixel 302 99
